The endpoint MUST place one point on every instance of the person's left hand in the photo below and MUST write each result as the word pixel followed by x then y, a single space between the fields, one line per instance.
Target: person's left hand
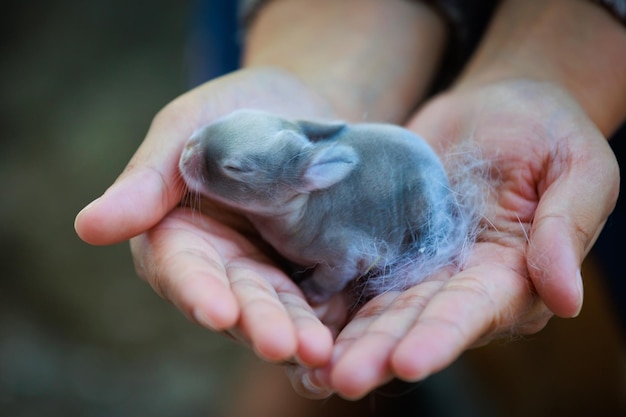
pixel 557 183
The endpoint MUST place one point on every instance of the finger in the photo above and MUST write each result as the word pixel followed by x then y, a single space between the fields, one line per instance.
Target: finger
pixel 319 347
pixel 478 301
pixel 320 378
pixel 263 318
pixel 315 341
pixel 570 215
pixel 149 187
pixel 367 347
pixel 179 264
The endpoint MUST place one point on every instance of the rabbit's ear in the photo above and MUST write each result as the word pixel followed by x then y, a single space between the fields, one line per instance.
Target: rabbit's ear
pixel 328 166
pixel 318 130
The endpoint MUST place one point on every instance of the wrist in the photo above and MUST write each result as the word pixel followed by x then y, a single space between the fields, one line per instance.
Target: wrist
pixel 369 59
pixel 575 45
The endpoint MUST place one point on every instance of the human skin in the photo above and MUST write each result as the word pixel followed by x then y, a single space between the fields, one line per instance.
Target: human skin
pixel 542 122
pixel 207 263
pixel 559 182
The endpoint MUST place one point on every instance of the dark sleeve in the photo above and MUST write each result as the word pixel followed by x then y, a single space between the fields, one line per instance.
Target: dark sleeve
pixel 467 21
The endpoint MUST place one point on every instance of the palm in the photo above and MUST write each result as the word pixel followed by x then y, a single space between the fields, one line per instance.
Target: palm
pixel 221 277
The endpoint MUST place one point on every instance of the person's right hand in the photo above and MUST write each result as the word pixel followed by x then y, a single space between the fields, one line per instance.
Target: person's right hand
pixel 204 261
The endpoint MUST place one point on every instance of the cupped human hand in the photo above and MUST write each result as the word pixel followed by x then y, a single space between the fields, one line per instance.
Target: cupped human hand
pixel 555 181
pixel 206 263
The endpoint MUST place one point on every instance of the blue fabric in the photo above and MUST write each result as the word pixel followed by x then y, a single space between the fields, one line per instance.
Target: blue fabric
pixel 214 48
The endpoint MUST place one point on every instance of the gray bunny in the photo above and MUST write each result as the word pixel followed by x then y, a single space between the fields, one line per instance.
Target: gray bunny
pixel 339 201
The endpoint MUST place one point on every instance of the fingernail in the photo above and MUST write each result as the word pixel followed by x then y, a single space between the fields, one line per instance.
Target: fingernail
pixel 308 384
pixel 203 320
pixel 579 283
pixel 314 388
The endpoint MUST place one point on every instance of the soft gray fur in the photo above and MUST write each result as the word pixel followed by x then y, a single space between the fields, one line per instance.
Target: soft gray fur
pixel 339 201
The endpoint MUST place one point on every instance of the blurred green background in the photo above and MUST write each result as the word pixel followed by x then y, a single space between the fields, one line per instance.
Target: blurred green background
pixel 80 335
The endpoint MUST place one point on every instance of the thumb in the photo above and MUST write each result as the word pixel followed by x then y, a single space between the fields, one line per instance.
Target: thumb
pixel 144 193
pixel 568 220
pixel 151 184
